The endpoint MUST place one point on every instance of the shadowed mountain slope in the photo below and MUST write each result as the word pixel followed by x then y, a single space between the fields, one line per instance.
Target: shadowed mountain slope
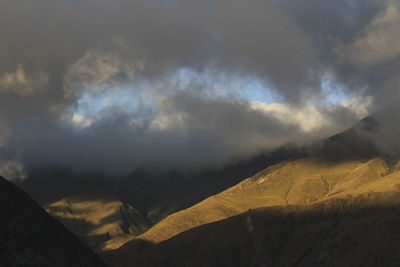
pixel 31 237
pixel 354 143
pixel 354 231
pixel 86 206
pixel 97 219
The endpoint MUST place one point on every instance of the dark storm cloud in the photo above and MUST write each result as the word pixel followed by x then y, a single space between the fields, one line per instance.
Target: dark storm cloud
pixel 53 53
pixel 251 36
pixel 359 43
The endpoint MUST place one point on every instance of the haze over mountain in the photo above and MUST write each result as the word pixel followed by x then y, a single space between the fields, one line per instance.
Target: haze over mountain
pixel 111 212
pixel 336 184
pixel 306 212
pixel 112 86
pixel 108 213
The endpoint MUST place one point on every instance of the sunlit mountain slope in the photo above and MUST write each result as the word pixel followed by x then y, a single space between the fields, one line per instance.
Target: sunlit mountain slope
pixel 299 182
pixel 360 230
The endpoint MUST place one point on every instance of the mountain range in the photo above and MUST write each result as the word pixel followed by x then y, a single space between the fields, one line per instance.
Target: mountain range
pixel 333 203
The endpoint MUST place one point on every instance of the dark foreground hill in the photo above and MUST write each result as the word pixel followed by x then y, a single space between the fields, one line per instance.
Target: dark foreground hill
pixel 31 237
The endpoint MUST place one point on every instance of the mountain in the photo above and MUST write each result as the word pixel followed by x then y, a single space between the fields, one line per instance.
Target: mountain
pixel 106 212
pixel 86 206
pixel 354 231
pixel 29 236
pixel 98 219
pixel 357 142
pixel 129 219
pixel 306 212
pixel 160 193
pixel 298 182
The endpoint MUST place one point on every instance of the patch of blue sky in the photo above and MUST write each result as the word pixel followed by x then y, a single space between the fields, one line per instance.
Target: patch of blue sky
pixel 185 76
pixel 334 92
pixel 94 102
pixel 224 84
pixel 129 98
pixel 255 90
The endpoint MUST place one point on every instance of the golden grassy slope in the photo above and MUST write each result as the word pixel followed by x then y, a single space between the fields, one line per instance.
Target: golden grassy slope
pixel 299 182
pixel 353 231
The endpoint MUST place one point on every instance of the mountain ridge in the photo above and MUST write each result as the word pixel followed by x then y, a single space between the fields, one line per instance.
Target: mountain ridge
pixel 295 182
pixel 350 231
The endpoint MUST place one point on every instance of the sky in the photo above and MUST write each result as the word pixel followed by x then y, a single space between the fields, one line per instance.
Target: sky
pixel 114 85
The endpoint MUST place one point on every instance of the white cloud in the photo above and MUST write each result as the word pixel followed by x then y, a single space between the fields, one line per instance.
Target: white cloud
pixel 313 119
pixel 360 106
pixel 81 121
pixel 307 118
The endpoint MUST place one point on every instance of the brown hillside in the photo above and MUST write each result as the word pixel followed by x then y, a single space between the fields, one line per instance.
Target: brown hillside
pixel 354 231
pixel 299 182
